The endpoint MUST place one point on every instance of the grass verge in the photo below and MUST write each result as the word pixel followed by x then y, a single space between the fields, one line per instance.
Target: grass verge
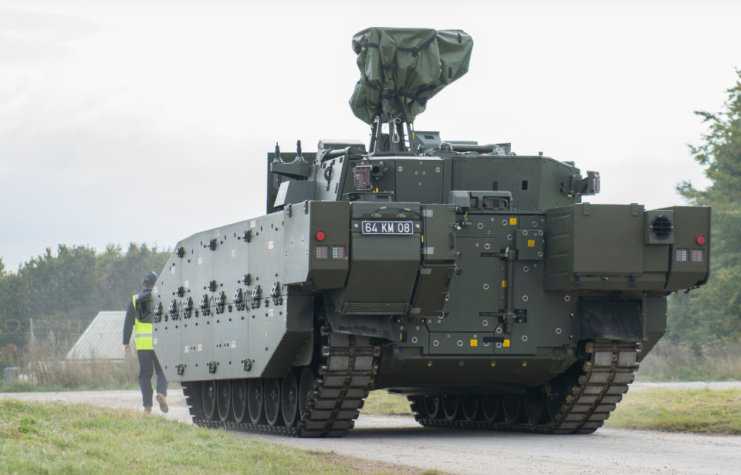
pixel 381 402
pixel 699 411
pixel 667 410
pixel 81 438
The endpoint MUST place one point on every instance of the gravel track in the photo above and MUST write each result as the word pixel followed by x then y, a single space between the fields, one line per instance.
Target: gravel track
pixel 400 440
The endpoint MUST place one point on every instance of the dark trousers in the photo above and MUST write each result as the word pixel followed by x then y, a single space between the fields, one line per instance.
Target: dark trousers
pixel 148 364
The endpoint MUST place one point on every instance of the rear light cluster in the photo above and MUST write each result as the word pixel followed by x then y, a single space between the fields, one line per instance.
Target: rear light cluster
pixel 322 252
pixel 338 252
pixel 697 255
pixel 693 255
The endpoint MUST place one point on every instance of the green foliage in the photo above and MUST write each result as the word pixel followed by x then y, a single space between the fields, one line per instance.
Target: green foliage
pixel 715 310
pixel 73 286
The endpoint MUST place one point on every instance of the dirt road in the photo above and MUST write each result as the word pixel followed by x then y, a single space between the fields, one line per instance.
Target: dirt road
pixel 399 440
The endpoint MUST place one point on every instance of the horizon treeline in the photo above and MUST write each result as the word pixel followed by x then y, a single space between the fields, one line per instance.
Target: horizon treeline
pixel 58 291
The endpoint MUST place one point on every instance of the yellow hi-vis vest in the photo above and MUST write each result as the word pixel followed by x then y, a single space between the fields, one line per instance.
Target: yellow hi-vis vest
pixel 142 333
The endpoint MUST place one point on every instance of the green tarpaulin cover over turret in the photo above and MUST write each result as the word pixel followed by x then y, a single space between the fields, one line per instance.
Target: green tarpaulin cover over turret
pixel 402 68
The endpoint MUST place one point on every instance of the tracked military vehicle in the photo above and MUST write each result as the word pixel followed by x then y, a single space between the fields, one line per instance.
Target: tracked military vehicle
pixel 477 282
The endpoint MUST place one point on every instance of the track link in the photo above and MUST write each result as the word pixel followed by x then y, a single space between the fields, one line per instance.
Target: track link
pixel 349 365
pixel 603 381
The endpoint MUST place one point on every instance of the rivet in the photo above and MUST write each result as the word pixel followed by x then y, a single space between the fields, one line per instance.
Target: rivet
pixel 525 269
pixel 567 298
pixel 485 323
pixel 524 298
pixel 414 339
pixel 524 337
pixel 435 343
pixel 481 226
pixel 558 331
pixel 486 286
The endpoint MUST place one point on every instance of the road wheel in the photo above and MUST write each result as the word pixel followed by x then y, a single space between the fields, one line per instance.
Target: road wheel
pixel 451 405
pixel 534 403
pixel 224 399
pixel 470 407
pixel 305 389
pixel 289 399
pixel 490 407
pixel 209 400
pixel 254 400
pixel 239 400
pixel 511 403
pixel 272 402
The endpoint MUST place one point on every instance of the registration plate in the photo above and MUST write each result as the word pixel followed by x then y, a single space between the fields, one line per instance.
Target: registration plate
pixel 388 227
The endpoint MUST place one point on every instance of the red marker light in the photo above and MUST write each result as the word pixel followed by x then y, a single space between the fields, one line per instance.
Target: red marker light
pixel 701 239
pixel 320 236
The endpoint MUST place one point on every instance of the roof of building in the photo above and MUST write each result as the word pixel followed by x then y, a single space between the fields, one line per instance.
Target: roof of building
pixel 101 340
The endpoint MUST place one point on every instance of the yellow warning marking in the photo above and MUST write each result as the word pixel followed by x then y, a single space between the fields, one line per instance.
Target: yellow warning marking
pixel 401 336
pixel 531 243
pixel 504 284
pixel 474 343
pixel 165 350
pixel 506 344
pixel 170 278
pixel 423 239
pixel 266 333
pixel 513 221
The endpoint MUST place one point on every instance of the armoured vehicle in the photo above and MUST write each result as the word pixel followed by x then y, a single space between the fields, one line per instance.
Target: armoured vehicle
pixel 474 281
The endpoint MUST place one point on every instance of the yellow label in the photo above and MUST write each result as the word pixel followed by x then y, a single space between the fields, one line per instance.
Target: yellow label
pixel 513 221
pixel 531 243
pixel 506 344
pixel 474 343
pixel 266 333
pixel 504 284
pixel 401 336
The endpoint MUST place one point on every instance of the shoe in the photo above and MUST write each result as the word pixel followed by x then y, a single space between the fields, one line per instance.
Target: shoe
pixel 163 403
pixel 148 410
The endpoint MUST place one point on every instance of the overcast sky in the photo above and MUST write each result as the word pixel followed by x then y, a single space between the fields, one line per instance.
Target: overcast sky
pixel 150 121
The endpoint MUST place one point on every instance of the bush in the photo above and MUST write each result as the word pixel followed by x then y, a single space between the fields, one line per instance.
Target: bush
pixel 717 360
pixel 44 365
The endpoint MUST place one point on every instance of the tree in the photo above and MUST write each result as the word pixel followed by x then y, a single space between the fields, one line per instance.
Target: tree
pixel 63 292
pixel 715 310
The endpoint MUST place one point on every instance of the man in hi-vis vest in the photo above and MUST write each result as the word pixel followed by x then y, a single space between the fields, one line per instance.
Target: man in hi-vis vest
pixel 145 350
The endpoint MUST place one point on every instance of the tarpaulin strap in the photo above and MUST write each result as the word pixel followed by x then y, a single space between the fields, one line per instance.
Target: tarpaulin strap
pixel 388 67
pixel 390 93
pixel 370 45
pixel 416 51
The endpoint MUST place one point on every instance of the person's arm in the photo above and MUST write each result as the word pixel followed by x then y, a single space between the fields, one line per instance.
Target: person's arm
pixel 128 326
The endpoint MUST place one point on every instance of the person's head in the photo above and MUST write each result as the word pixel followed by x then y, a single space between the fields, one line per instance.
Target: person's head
pixel 149 280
